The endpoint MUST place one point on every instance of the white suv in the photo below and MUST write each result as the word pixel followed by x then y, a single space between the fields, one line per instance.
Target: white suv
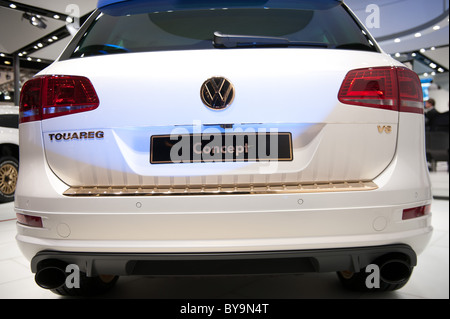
pixel 222 137
pixel 9 151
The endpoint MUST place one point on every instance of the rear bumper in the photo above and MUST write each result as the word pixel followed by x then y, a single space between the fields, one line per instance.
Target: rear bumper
pixel 236 263
pixel 275 223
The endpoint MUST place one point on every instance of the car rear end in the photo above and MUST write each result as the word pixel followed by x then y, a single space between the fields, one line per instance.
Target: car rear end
pixel 180 138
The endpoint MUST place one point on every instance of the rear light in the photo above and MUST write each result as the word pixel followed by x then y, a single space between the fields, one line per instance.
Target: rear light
pixel 53 95
pixel 390 88
pixel 410 91
pixel 416 212
pixel 370 87
pixel 28 220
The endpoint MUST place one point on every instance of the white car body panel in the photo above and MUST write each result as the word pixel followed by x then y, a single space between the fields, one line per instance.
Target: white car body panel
pixel 227 222
pixel 9 135
pixel 313 118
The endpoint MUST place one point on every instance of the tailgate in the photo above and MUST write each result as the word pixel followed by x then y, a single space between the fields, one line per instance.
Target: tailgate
pixel 277 92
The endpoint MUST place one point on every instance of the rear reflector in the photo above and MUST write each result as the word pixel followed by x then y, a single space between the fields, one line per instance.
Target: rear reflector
pixel 28 220
pixel 390 88
pixel 416 212
pixel 50 96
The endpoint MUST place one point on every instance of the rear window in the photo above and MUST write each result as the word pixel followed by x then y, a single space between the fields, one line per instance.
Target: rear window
pixel 124 28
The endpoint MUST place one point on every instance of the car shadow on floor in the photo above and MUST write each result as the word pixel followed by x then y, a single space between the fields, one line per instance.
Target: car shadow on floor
pixel 301 286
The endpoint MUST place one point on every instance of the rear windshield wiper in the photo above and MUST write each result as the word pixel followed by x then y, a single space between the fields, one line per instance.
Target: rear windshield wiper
pixel 247 41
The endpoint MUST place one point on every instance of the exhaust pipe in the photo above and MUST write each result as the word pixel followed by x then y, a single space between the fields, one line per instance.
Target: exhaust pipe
pixel 51 273
pixel 394 268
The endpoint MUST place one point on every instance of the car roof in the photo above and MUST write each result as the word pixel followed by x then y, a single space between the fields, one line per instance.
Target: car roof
pixel 222 3
pixel 104 3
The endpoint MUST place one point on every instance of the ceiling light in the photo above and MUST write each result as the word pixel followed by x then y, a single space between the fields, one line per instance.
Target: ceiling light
pixel 441 70
pixel 432 65
pixel 397 40
pixel 57 17
pixel 12 6
pixel 418 35
pixel 436 27
pixel 35 20
pixel 422 50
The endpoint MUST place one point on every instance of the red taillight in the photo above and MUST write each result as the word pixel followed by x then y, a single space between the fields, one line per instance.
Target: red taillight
pixel 31 100
pixel 390 88
pixel 53 95
pixel 28 220
pixel 416 212
pixel 375 87
pixel 410 91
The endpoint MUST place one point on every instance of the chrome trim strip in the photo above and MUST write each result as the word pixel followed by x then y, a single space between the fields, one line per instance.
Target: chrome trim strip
pixel 349 186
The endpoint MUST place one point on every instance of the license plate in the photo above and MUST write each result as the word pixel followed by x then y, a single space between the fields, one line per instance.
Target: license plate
pixel 233 147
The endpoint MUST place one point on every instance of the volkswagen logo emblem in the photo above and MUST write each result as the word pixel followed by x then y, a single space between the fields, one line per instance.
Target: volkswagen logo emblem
pixel 217 93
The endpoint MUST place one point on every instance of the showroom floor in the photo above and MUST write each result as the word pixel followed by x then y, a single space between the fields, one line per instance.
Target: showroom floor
pixel 430 279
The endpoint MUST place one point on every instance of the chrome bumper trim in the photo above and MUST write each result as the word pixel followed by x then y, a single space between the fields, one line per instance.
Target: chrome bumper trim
pixel 349 186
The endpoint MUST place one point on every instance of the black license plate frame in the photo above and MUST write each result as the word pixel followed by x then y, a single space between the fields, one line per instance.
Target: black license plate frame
pixel 221 147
